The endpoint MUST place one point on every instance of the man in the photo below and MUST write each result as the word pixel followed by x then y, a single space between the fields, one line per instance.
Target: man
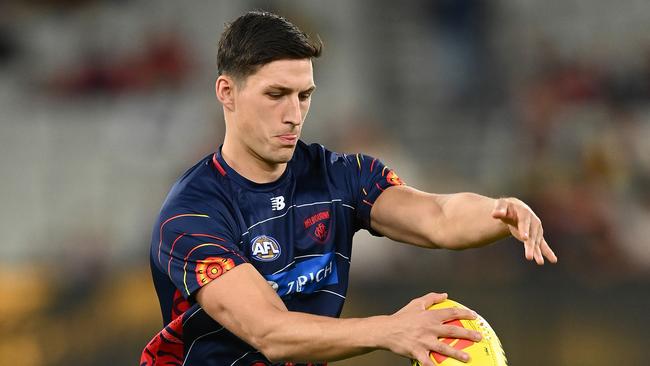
pixel 251 252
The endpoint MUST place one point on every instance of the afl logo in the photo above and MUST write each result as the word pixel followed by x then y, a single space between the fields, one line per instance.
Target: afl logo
pixel 264 248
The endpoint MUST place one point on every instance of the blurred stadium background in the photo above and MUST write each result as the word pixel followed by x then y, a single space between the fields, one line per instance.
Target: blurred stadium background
pixel 104 103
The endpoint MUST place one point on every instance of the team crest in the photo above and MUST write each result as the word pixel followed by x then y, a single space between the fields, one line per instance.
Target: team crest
pixel 265 248
pixel 317 226
pixel 211 268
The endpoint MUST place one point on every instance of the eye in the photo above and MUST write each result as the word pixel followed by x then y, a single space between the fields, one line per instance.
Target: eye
pixel 274 95
pixel 304 96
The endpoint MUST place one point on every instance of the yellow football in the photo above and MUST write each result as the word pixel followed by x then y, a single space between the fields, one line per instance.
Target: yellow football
pixel 487 352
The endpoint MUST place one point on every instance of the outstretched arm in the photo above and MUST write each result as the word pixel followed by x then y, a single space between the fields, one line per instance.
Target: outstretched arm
pixel 457 221
pixel 244 303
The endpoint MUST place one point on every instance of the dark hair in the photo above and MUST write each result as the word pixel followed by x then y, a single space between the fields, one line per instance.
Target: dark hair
pixel 257 38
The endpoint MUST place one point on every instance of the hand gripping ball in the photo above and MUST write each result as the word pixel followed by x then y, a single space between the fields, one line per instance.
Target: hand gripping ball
pixel 487 352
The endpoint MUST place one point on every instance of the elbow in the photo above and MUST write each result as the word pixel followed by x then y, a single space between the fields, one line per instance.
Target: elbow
pixel 275 357
pixel 280 351
pixel 435 239
pixel 271 336
pixel 276 354
pixel 439 240
pixel 431 243
pixel 273 351
pixel 450 235
pixel 457 244
pixel 273 354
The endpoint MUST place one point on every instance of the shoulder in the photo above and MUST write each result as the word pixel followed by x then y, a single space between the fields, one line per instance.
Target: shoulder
pixel 201 190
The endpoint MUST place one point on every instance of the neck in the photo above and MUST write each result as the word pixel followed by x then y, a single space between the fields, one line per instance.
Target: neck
pixel 250 165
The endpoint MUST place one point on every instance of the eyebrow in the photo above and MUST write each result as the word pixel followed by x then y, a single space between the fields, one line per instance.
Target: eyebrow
pixel 284 89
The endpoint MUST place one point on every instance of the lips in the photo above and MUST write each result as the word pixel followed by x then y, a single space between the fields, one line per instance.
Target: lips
pixel 288 138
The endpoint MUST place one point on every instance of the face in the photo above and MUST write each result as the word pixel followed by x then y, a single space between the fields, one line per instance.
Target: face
pixel 269 109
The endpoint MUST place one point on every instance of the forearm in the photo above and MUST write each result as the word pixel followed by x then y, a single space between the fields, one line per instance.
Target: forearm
pixel 466 221
pixel 264 322
pixel 450 221
pixel 294 336
pixel 244 303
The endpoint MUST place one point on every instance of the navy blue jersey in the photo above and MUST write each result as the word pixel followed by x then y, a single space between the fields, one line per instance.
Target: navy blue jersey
pixel 297 232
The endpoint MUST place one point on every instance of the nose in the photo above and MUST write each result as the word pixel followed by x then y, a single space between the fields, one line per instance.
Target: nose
pixel 293 113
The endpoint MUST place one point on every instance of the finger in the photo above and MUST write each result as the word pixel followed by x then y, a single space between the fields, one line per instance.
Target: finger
pixel 548 252
pixel 432 298
pixel 534 238
pixel 536 227
pixel 447 350
pixel 539 237
pixel 445 315
pixel 539 259
pixel 423 302
pixel 524 233
pixel 424 359
pixel 454 331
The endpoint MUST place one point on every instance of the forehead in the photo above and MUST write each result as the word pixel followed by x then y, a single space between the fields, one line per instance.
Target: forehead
pixel 294 74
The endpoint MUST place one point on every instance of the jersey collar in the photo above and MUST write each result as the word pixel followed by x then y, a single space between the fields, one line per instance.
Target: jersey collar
pixel 219 163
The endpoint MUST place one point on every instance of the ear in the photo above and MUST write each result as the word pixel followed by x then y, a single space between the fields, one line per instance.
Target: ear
pixel 225 90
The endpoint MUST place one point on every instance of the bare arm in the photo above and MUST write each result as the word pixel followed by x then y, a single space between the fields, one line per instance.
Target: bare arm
pixel 457 221
pixel 244 303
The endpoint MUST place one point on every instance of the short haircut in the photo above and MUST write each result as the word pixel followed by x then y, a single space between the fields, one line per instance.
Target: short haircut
pixel 257 38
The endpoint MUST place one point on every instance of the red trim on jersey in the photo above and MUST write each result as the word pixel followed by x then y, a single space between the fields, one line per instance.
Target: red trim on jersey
pixel 216 164
pixel 169 264
pixel 377 184
pixel 223 240
pixel 216 245
pixel 185 261
pixel 372 164
pixel 179 305
pixel 169 272
pixel 166 348
pixel 165 223
pixel 209 236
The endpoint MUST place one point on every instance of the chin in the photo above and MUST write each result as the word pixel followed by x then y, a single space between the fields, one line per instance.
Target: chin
pixel 284 156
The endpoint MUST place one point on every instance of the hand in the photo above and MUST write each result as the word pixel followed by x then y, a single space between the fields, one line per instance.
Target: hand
pixel 526 227
pixel 415 331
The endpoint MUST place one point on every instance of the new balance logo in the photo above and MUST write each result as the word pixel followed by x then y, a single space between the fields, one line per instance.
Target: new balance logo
pixel 277 203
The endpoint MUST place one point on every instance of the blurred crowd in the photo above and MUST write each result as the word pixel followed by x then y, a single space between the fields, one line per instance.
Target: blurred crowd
pixel 105 103
pixel 589 126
